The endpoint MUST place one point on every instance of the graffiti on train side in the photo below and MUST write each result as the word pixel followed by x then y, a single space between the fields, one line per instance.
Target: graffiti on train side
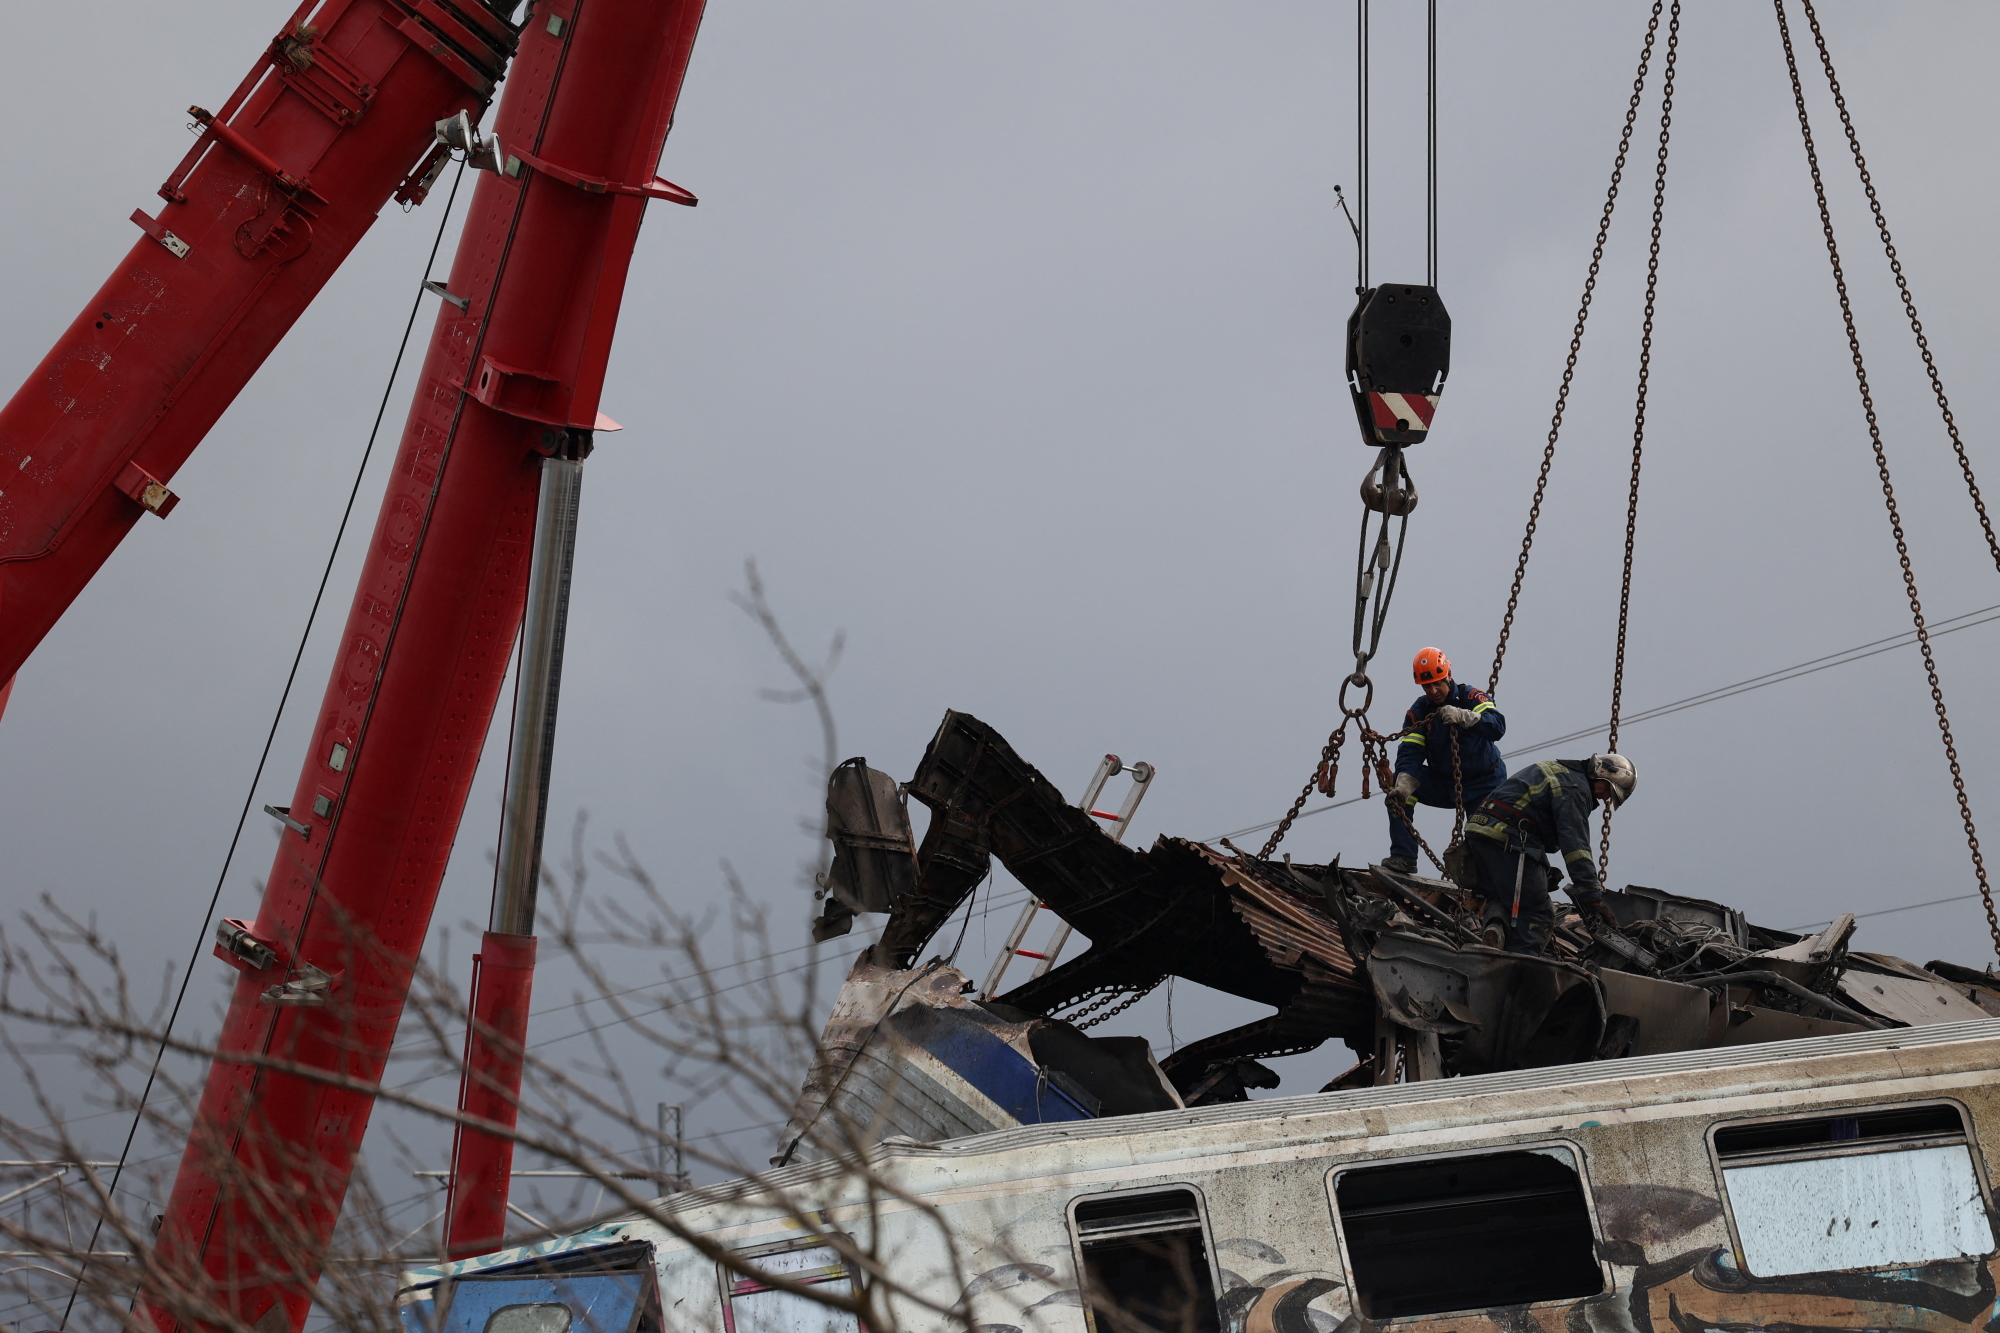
pixel 1695 1292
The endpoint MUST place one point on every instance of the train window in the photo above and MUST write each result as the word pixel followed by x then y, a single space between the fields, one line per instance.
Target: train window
pixel 1885 1188
pixel 1145 1264
pixel 541 1317
pixel 752 1305
pixel 1467 1233
pixel 553 1303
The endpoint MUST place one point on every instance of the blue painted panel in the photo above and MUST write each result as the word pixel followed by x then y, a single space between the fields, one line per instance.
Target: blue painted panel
pixel 596 1303
pixel 982 1059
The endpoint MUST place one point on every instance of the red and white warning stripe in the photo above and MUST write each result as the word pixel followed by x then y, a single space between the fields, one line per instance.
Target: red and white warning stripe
pixel 1403 411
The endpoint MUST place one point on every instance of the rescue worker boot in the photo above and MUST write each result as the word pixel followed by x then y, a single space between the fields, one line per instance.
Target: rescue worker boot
pixel 1402 865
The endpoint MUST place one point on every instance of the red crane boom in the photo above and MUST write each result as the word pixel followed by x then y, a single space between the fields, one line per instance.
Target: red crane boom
pixel 512 377
pixel 283 182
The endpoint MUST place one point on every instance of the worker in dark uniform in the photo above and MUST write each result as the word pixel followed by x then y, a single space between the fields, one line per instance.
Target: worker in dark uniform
pixel 1423 753
pixel 1542 809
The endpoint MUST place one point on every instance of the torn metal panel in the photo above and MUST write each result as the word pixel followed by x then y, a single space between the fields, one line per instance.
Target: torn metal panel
pixel 950 863
pixel 1982 988
pixel 908 1054
pixel 1808 960
pixel 1256 929
pixel 1419 991
pixel 1670 1016
pixel 1507 1011
pixel 1736 1021
pixel 861 1085
pixel 1908 999
pixel 1119 1072
pixel 1639 903
pixel 874 854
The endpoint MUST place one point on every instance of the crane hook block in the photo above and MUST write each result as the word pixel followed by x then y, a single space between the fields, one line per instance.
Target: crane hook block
pixel 1398 353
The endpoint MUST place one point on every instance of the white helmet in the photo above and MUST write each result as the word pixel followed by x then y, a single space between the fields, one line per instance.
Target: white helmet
pixel 1616 772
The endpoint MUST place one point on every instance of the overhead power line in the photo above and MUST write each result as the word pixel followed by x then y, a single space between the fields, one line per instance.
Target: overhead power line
pixel 1984 615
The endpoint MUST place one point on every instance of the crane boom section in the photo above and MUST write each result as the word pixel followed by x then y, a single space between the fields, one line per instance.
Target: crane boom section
pixel 336 117
pixel 513 372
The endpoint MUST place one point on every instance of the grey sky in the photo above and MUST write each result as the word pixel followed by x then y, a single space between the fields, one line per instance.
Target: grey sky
pixel 1006 339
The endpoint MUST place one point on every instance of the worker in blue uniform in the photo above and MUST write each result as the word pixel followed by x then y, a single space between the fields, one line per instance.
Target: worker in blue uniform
pixel 1423 753
pixel 1542 809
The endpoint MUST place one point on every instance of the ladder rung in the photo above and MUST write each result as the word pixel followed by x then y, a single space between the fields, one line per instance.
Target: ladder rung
pixel 1030 953
pixel 1105 814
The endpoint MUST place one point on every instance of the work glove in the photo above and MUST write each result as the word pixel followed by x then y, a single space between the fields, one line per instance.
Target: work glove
pixel 1602 911
pixel 1406 785
pixel 1455 716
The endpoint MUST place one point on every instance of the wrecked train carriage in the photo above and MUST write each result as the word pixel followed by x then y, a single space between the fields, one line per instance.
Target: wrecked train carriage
pixel 1389 964
pixel 1827 1183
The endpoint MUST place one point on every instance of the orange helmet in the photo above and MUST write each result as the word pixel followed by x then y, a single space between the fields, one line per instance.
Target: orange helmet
pixel 1431 665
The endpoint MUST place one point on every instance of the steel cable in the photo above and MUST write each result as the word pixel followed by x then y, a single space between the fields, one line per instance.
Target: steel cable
pixel 1431 147
pixel 1826 662
pixel 1361 142
pixel 284 696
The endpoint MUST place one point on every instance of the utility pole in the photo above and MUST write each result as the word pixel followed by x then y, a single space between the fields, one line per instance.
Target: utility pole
pixel 673 1121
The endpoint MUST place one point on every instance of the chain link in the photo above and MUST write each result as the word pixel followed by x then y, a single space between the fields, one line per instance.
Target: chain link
pixel 1402 810
pixel 1639 416
pixel 1903 287
pixel 1457 792
pixel 1322 778
pixel 1328 771
pixel 1132 997
pixel 1374 754
pixel 1329 761
pixel 1875 435
pixel 1575 345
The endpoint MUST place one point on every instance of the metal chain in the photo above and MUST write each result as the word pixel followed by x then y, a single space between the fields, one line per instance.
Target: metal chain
pixel 1457 792
pixel 1322 778
pixel 1375 750
pixel 1374 753
pixel 1328 770
pixel 1575 345
pixel 1107 997
pixel 1882 467
pixel 1402 810
pixel 1903 286
pixel 1639 415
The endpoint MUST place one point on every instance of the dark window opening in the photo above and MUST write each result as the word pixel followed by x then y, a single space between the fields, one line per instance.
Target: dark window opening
pixel 1894 1123
pixel 1466 1233
pixel 1145 1264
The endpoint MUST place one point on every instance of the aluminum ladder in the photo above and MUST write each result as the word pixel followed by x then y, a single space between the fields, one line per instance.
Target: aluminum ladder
pixel 1116 824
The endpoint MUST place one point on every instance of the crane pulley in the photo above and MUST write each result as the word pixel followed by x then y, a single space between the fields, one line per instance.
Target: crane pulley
pixel 1398 354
